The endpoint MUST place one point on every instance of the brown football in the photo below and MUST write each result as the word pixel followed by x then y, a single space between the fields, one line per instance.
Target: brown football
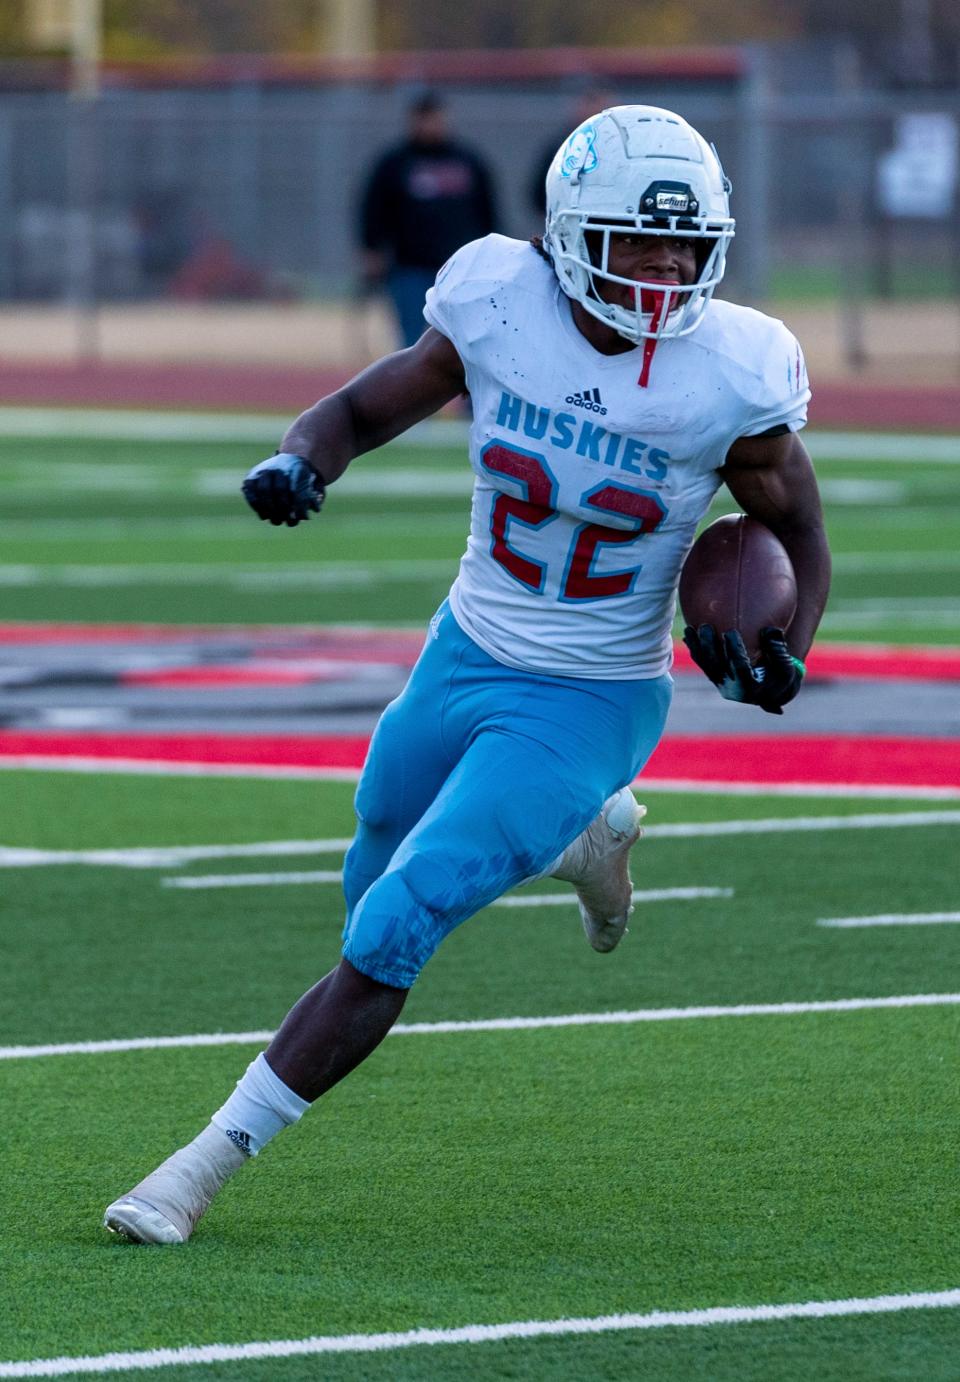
pixel 738 575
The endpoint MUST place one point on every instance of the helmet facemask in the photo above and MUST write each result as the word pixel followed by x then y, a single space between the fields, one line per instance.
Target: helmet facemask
pixel 661 309
pixel 641 170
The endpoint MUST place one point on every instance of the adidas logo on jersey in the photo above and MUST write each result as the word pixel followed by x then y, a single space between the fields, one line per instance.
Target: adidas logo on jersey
pixel 589 399
pixel 240 1139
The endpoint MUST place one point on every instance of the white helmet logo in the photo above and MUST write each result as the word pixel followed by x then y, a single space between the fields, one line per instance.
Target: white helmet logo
pixel 580 155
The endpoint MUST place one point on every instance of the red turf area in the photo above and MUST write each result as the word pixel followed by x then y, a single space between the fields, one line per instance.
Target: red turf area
pixel 828 760
pixel 280 655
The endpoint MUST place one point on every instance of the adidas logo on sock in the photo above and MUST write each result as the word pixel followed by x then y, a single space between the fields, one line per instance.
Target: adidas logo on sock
pixel 589 399
pixel 240 1139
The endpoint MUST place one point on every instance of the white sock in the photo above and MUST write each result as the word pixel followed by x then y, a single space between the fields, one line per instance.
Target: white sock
pixel 260 1107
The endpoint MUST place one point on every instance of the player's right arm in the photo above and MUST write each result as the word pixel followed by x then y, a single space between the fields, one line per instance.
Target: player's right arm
pixel 374 407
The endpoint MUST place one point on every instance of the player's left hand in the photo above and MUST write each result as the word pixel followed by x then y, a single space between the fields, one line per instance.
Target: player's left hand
pixel 770 683
pixel 284 489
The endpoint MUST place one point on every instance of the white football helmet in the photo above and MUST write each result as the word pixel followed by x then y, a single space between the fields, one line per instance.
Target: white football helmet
pixel 643 169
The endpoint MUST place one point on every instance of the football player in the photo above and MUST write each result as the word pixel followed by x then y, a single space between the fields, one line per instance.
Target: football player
pixel 611 396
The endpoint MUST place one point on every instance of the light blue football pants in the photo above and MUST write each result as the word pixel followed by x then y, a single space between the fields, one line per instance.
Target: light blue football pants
pixel 478 776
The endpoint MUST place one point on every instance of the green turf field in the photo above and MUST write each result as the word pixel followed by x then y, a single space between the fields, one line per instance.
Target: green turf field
pixel 488 1176
pixel 157 531
pixel 481 1176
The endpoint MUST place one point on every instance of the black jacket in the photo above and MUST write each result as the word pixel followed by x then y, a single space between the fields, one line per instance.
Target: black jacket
pixel 422 202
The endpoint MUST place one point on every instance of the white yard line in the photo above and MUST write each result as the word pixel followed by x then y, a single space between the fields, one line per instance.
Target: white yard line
pixel 385 482
pixel 895 561
pixel 148 425
pixel 882 446
pixel 121 1044
pixel 856 790
pixel 499 1024
pixel 480 1334
pixel 558 899
pixel 49 763
pixel 849 491
pixel 161 425
pixel 873 820
pixel 893 919
pixel 897 604
pixel 118 424
pixel 331 575
pixel 638 895
pixel 253 880
pixel 164 856
pixel 169 856
pixel 923 617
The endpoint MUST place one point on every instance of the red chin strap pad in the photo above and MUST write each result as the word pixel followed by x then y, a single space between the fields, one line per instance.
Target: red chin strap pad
pixel 652 300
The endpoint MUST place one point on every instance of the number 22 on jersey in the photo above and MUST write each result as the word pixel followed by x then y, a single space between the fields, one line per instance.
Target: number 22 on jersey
pixel 537 508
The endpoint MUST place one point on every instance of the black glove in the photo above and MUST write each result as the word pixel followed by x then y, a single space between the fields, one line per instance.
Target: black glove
pixel 284 489
pixel 770 684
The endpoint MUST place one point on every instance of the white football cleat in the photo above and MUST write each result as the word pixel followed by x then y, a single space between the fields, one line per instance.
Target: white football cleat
pixel 166 1205
pixel 597 863
pixel 137 1220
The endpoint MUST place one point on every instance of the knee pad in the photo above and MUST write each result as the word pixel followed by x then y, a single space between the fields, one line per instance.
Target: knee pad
pixel 398 924
pixel 373 802
pixel 358 872
pixel 368 856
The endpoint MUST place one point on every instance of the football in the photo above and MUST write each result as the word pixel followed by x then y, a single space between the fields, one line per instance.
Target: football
pixel 738 575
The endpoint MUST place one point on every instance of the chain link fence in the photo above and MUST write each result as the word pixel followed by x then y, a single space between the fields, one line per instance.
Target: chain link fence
pixel 249 193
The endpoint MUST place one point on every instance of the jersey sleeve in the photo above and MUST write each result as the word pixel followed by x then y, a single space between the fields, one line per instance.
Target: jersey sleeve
pixel 779 389
pixel 458 305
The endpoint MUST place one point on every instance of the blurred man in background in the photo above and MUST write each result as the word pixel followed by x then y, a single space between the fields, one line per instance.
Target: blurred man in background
pixel 425 198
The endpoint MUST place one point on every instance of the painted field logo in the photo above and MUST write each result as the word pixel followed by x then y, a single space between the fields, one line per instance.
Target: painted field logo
pixel 589 399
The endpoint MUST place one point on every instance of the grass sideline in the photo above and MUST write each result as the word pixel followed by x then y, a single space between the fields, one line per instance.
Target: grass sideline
pixel 776 1158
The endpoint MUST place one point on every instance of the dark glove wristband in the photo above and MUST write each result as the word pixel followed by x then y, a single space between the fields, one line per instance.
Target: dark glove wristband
pixel 770 684
pixel 284 489
pixel 779 675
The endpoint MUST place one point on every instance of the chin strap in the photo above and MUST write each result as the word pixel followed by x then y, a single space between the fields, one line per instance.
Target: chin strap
pixel 649 346
pixel 653 302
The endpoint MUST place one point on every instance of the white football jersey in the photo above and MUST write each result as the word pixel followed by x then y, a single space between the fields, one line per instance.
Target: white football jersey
pixel 588 488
